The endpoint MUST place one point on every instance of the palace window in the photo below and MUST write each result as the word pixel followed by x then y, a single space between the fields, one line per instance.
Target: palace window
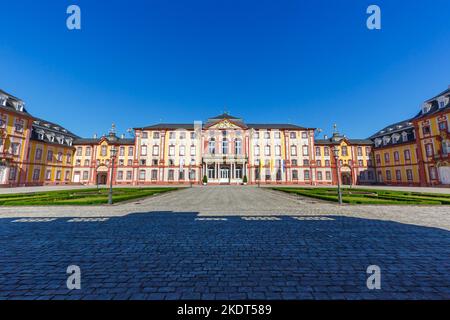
pixel 144 135
pixel 192 134
pixel 59 157
pixel 319 175
pixel 212 146
pixel 268 175
pixel 155 162
pixel 387 157
pixel 267 135
pixel 278 150
pixel 293 150
pixel 19 125
pixel 104 151
pixel 85 175
pixel 368 151
pixel 238 146
pixel 326 152
pixel 360 163
pixel 429 150
pixel 38 155
pixel 388 175
pixel 193 150
pixel 155 150
pixel 426 129
pixel 305 150
pixel 267 150
pixel 277 134
pixel 88 152
pixel 181 174
pixel 442 126
pixel 143 162
pixel 129 175
pixel 306 174
pixel 433 174
pixel 378 159
pixel 293 135
pixel 328 175
pixel 121 151
pixel 359 152
pixel 327 163
pixel 144 150
pixel 224 146
pixel 130 151
pixel 141 174
pixel 294 175
pixel 396 156
pixel 294 162
pixel 304 135
pixel 170 176
pixel 50 155
pixel 409 174
pixel 369 163
pixel 48 175
pixel 172 150
pixel 319 163
pixel 121 162
pixel 130 162
pixel 79 151
pixel 344 151
pixel 445 147
pixel 86 163
pixel 182 135
pixel 305 162
pixel 172 135
pixel 182 151
pixel 120 175
pixel 36 174
pixel 155 135
pixel 318 152
pixel 154 175
pixel 398 175
pixel 256 150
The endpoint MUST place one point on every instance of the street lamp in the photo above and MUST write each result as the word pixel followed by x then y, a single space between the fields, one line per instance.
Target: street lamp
pixel 336 159
pixel 113 157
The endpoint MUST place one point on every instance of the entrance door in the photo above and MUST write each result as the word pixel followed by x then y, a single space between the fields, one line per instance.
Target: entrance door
pixel 346 178
pixel 224 175
pixel 101 178
pixel 444 175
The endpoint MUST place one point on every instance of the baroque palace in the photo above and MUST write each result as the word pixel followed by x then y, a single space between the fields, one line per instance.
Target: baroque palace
pixel 225 150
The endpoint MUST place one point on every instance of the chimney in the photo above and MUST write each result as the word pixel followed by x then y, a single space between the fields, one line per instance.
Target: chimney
pixel 122 136
pixel 325 137
pixel 95 136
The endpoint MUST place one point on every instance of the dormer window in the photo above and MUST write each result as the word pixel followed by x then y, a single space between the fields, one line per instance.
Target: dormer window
pixel 378 142
pixel 426 108
pixel 404 136
pixel 395 138
pixel 3 101
pixel 41 136
pixel 386 140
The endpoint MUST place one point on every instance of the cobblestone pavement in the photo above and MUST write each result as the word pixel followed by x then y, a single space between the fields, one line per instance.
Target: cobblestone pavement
pixel 238 200
pixel 225 243
pixel 184 256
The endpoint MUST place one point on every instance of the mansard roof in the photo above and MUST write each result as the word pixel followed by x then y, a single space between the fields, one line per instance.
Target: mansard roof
pixel 13 103
pixel 49 132
pixel 112 138
pixel 336 139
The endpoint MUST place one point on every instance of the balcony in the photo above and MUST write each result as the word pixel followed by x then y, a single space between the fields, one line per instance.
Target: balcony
pixel 220 157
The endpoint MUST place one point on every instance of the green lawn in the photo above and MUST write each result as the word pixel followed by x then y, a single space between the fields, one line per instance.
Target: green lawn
pixel 371 196
pixel 78 197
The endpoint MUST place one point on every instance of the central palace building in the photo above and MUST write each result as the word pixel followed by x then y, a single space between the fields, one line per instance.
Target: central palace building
pixel 225 150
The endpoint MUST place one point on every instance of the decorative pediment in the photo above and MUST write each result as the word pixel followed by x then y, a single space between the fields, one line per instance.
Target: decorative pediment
pixel 225 124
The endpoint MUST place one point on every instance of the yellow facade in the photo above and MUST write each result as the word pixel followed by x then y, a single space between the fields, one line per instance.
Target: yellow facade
pixel 49 164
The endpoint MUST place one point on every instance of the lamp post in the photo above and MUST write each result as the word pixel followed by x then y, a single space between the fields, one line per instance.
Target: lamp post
pixel 113 157
pixel 336 158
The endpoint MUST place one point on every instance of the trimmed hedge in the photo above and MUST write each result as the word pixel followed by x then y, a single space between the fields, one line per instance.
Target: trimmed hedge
pixel 370 196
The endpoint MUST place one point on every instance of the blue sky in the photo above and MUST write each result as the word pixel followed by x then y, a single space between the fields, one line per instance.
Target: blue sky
pixel 312 63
